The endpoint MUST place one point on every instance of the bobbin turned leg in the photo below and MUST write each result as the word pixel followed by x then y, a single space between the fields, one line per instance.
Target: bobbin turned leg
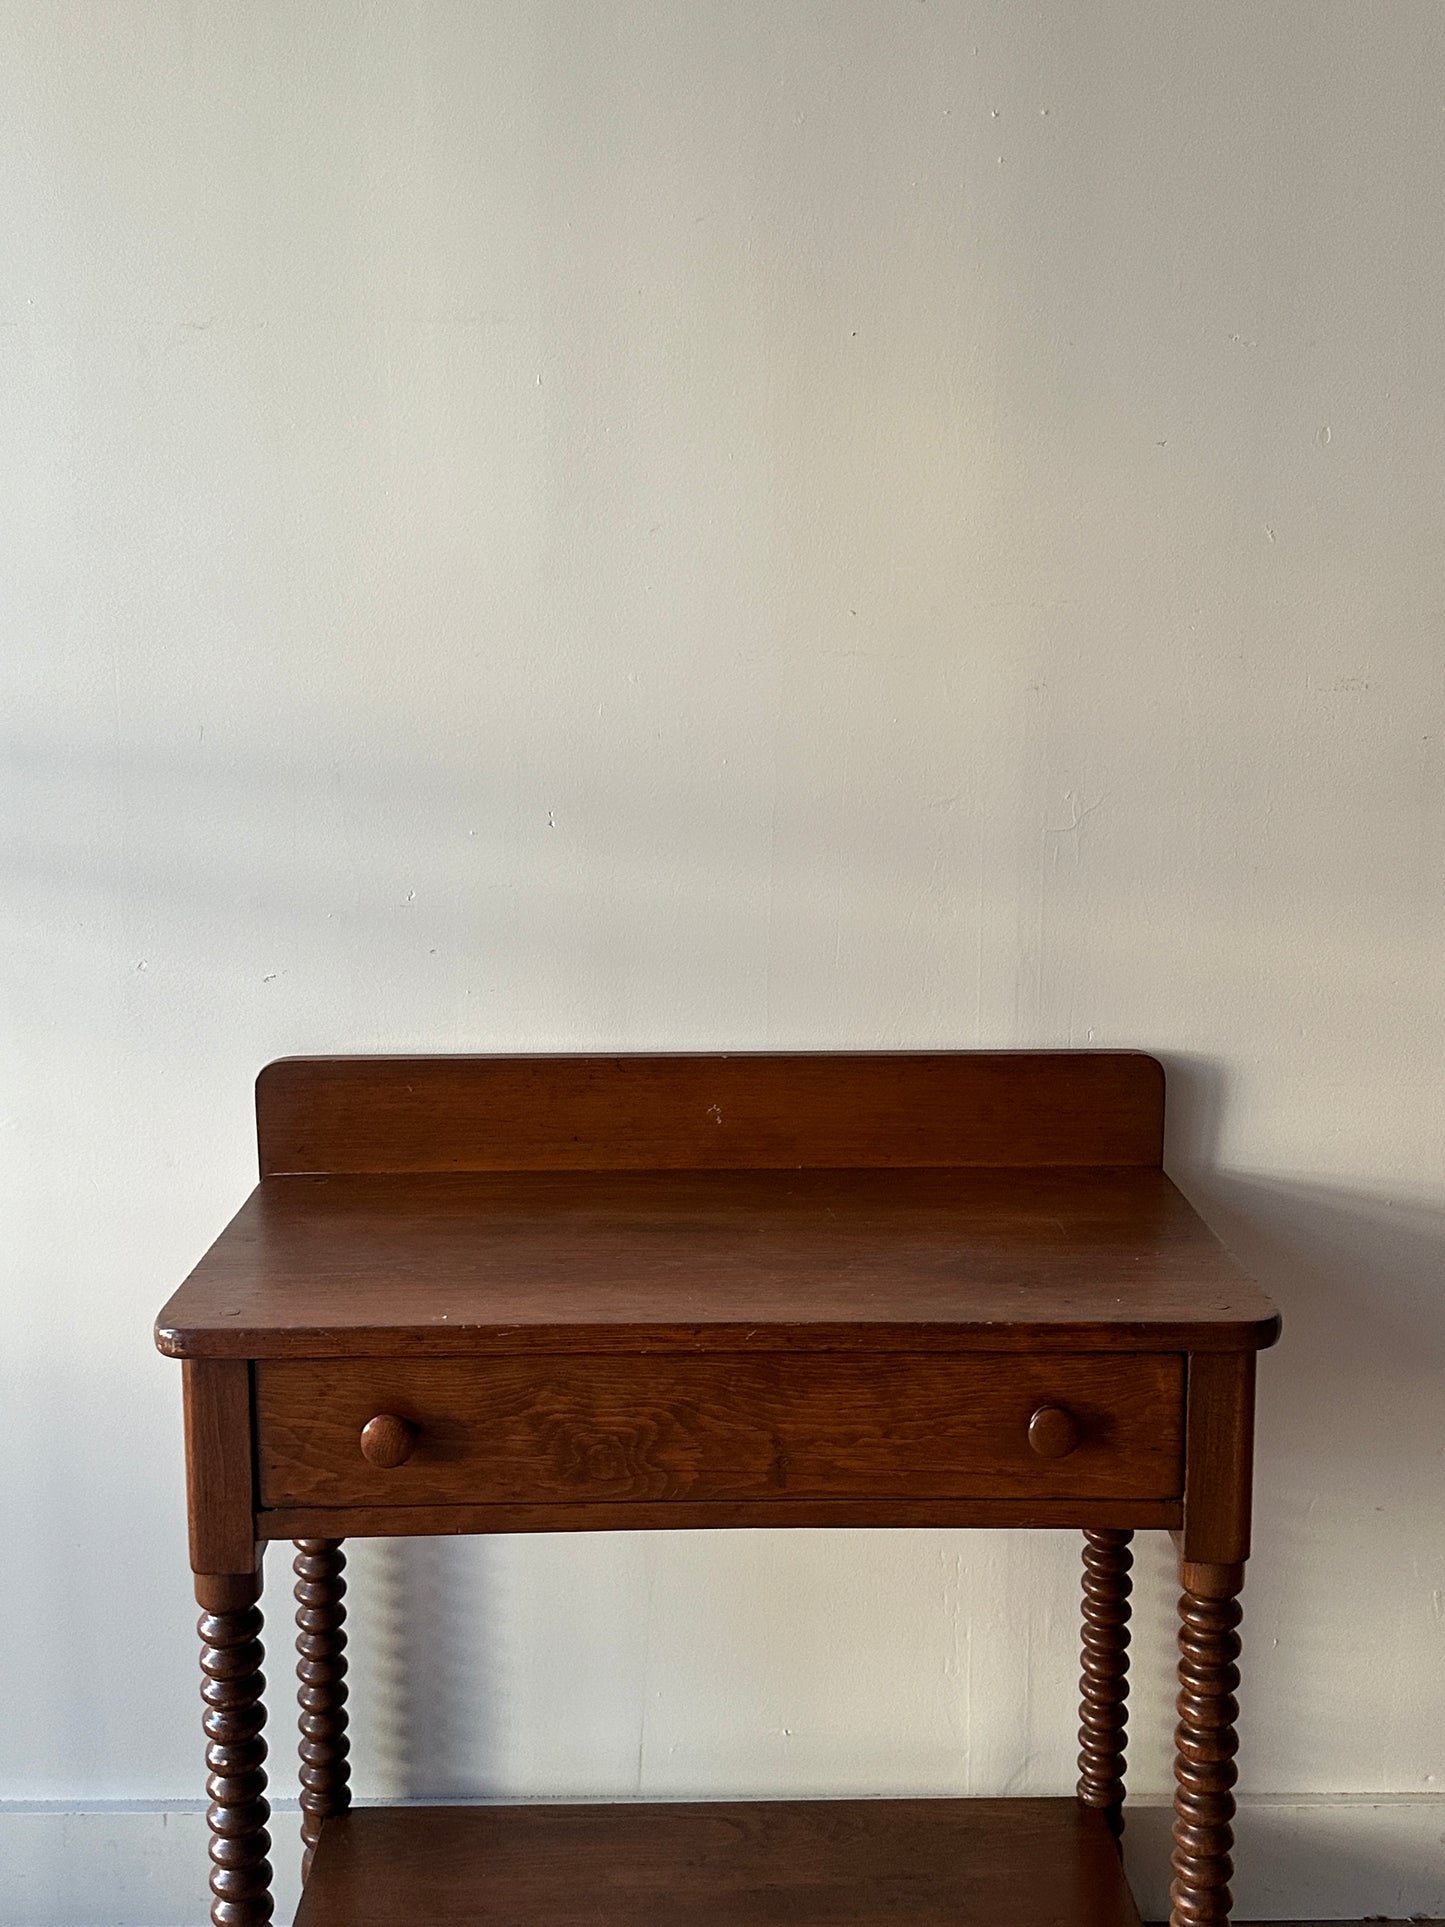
pixel 1104 1685
pixel 321 1670
pixel 231 1655
pixel 1205 1743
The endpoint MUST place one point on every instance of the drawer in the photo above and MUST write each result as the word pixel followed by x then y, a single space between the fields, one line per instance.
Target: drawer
pixel 540 1430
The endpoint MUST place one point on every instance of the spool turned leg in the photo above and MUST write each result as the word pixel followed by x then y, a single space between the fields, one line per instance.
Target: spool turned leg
pixel 1205 1743
pixel 231 1655
pixel 1104 1686
pixel 321 1670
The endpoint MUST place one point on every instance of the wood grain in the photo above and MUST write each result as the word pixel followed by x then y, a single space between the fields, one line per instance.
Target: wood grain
pixel 1220 1485
pixel 826 1863
pixel 513 1431
pixel 216 1395
pixel 396 1114
pixel 1077 1260
pixel 615 1294
pixel 387 1441
pixel 712 1515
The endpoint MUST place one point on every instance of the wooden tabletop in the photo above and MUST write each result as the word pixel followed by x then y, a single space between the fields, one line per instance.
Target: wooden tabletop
pixel 946 1200
pixel 625 1261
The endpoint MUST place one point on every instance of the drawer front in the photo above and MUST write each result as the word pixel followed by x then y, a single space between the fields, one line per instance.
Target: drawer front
pixel 719 1427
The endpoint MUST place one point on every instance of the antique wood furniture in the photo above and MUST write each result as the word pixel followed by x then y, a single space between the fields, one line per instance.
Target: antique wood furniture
pixel 572 1294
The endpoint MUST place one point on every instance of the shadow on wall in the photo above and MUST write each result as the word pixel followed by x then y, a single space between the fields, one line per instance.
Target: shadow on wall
pixel 431 1605
pixel 1350 1444
pixel 1359 1276
pixel 335 898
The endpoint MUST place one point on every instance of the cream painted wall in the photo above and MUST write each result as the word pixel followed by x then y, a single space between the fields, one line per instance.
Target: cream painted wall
pixel 706 523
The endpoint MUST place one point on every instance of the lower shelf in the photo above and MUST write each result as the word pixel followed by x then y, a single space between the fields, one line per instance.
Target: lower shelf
pixel 783 1863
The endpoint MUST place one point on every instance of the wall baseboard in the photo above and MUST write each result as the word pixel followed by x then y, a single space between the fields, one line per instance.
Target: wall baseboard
pixel 1342 1857
pixel 113 1864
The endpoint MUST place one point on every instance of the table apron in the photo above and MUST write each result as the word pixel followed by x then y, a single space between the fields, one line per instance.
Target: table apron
pixel 984 1515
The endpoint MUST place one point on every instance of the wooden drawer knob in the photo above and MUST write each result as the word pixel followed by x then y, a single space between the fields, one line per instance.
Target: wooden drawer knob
pixel 387 1441
pixel 1054 1432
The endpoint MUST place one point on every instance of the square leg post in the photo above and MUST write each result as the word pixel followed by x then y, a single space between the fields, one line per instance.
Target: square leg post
pixel 1213 1548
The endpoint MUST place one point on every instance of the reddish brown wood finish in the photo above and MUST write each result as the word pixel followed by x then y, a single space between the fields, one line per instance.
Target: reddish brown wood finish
pixel 320 1567
pixel 216 1395
pixel 783 1863
pixel 387 1441
pixel 1219 1491
pixel 609 1294
pixel 1205 1745
pixel 1054 1432
pixel 391 1114
pixel 233 1689
pixel 672 1515
pixel 497 1431
pixel 1104 1687
pixel 1056 1260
